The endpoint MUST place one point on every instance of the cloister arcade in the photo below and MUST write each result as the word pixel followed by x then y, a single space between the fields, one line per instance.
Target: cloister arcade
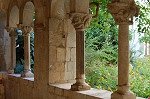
pixel 58 27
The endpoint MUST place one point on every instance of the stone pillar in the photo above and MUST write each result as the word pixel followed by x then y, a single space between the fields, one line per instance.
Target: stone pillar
pixel 123 16
pixel 12 34
pixel 26 34
pixel 79 21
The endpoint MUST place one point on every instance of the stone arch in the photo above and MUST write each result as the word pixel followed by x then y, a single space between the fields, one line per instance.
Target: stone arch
pixel 12 22
pixel 14 17
pixel 28 14
pixel 59 9
pixel 3 42
pixel 13 6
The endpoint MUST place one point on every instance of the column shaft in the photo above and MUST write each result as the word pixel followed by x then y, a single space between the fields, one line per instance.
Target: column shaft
pixel 13 51
pixel 80 74
pixel 123 16
pixel 27 70
pixel 123 57
pixel 12 34
pixel 27 52
pixel 80 66
pixel 80 21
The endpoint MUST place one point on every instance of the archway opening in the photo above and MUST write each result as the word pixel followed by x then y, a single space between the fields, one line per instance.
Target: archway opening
pixel 14 17
pixel 22 40
pixel 12 25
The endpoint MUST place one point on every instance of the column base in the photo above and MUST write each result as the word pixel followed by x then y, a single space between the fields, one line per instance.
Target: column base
pixel 10 71
pixel 80 87
pixel 127 95
pixel 27 73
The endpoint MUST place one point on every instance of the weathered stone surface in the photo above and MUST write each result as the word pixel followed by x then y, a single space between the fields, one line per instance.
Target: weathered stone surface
pixel 127 95
pixel 68 54
pixel 1 91
pixel 123 16
pixel 73 54
pixel 61 52
pixel 55 48
pixel 71 66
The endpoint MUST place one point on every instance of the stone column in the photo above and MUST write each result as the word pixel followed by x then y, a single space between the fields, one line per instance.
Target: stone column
pixel 12 34
pixel 123 16
pixel 79 21
pixel 26 34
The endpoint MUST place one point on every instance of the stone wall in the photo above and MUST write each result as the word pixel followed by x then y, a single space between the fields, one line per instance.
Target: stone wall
pixel 4 44
pixel 62 51
pixel 62 44
pixel 2 94
pixel 18 88
pixel 7 49
pixel 23 88
pixel 70 64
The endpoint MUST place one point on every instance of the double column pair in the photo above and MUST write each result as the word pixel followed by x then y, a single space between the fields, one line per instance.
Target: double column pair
pixel 123 13
pixel 26 35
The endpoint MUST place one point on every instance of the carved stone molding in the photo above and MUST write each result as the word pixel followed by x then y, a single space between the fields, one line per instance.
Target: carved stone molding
pixel 123 88
pixel 12 31
pixel 80 20
pixel 123 12
pixel 25 29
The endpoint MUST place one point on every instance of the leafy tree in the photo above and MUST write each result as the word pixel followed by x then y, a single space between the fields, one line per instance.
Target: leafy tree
pixel 101 51
pixel 102 35
pixel 144 20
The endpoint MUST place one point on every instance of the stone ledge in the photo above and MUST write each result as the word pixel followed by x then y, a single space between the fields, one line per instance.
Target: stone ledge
pixel 19 76
pixel 64 91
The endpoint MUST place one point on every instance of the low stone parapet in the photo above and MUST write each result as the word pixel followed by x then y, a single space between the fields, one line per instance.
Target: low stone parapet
pixel 2 76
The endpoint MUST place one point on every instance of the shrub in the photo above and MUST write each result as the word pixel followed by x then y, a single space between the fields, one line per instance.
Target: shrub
pixel 98 75
pixel 102 76
pixel 140 77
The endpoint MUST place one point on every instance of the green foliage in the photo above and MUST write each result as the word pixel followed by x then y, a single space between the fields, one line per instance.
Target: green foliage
pixel 101 49
pixel 101 53
pixel 98 75
pixel 144 20
pixel 140 77
pixel 102 35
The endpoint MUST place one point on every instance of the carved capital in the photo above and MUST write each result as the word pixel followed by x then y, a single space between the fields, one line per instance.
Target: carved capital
pixel 123 11
pixel 80 20
pixel 25 29
pixel 12 31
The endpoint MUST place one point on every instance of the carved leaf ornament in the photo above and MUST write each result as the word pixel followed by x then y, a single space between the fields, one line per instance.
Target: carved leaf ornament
pixel 123 13
pixel 80 20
